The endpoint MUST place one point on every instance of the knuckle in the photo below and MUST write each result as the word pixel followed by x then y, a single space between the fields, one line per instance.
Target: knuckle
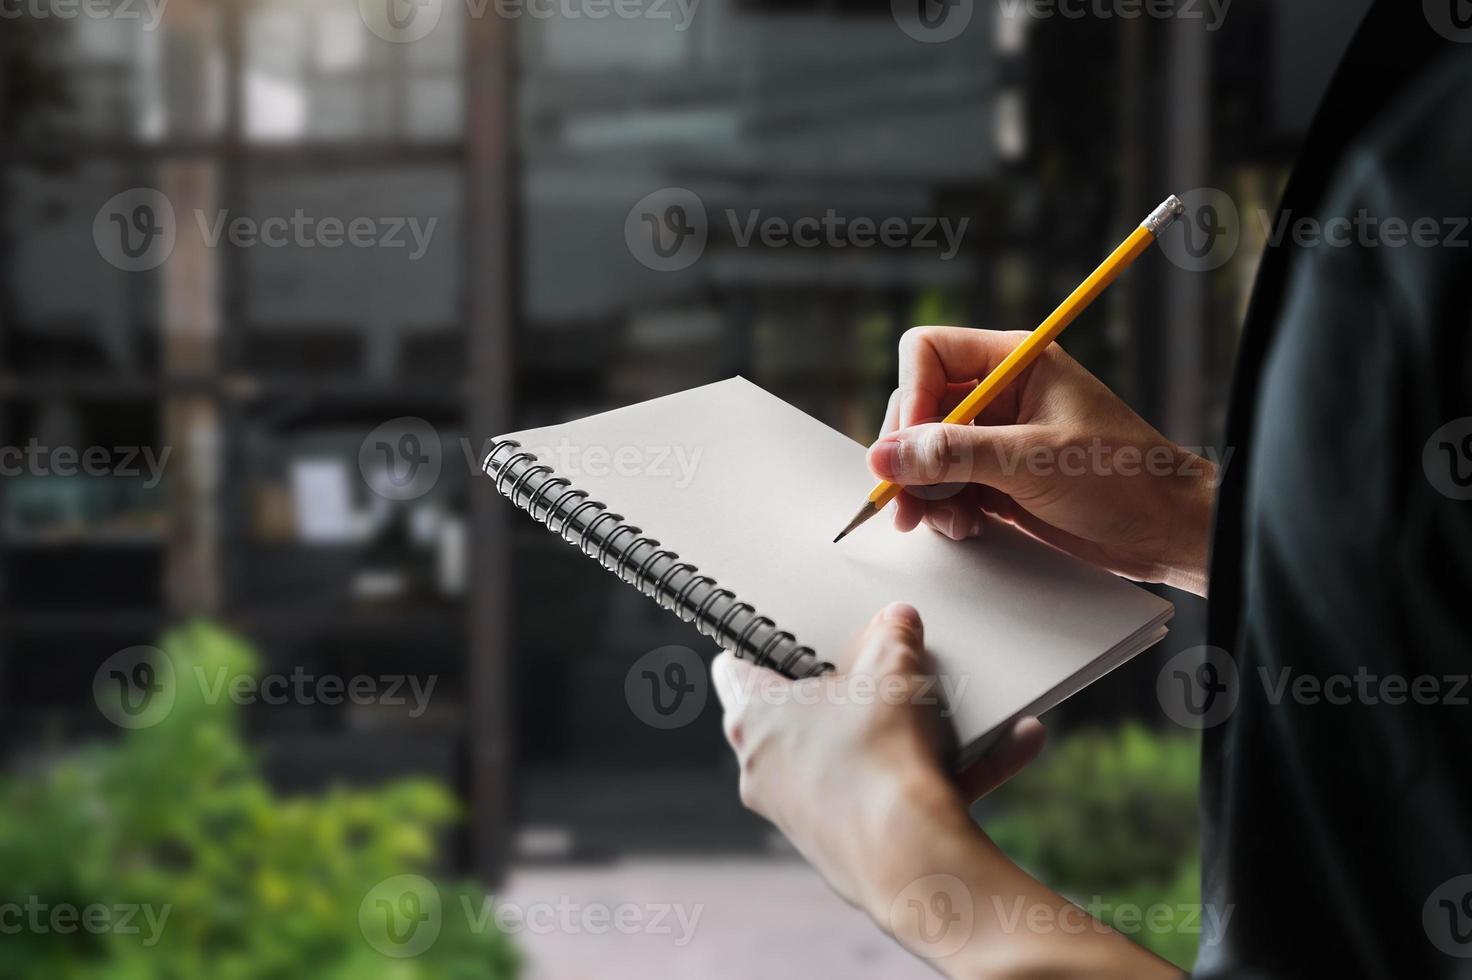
pixel 896 649
pixel 915 337
pixel 899 656
pixel 944 454
pixel 734 725
pixel 1057 361
pixel 936 449
pixel 746 789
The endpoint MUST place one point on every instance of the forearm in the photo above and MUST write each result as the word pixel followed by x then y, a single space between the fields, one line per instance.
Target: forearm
pixel 948 894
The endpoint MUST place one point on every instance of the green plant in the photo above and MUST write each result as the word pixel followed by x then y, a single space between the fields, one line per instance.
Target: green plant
pixel 177 819
pixel 1110 819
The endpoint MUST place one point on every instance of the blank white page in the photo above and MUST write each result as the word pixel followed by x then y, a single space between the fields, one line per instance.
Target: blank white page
pixel 752 490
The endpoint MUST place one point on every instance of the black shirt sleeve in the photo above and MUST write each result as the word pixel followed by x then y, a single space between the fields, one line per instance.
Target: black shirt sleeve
pixel 1336 797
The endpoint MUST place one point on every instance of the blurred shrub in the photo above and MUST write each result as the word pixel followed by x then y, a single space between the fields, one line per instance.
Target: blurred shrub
pixel 1110 820
pixel 177 819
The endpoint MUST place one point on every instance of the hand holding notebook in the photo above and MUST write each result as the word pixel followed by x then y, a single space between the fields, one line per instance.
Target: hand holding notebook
pixel 738 540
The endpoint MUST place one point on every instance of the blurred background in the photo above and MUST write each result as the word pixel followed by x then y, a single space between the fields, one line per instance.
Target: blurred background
pixel 261 261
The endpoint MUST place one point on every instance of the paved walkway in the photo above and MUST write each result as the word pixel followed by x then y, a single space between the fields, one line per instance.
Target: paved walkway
pixel 707 919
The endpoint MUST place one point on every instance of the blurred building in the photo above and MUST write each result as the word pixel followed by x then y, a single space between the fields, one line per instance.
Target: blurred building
pixel 525 144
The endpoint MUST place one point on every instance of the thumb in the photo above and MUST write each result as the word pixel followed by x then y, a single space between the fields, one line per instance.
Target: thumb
pixel 738 681
pixel 893 642
pixel 925 455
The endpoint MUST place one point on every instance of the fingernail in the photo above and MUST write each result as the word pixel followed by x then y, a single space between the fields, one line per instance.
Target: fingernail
pixel 901 612
pixel 884 458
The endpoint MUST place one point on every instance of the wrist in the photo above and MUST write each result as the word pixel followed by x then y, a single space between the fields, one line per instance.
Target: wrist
pixel 1191 530
pixel 922 828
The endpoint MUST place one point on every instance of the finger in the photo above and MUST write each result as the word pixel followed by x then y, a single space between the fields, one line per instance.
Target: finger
pixel 958 519
pixel 742 687
pixel 892 642
pixel 1018 747
pixel 932 358
pixel 891 413
pixel 736 678
pixel 908 512
pixel 926 455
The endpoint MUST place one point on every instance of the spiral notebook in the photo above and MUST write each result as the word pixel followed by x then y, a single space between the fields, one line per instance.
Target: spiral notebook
pixel 721 502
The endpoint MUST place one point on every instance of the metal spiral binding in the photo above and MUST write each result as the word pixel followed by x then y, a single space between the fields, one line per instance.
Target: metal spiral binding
pixel 678 586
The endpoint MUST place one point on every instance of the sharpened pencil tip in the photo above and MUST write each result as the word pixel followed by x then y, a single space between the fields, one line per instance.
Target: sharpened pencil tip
pixel 865 512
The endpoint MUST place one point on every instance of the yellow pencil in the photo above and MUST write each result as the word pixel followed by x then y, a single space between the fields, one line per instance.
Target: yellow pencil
pixel 1037 342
